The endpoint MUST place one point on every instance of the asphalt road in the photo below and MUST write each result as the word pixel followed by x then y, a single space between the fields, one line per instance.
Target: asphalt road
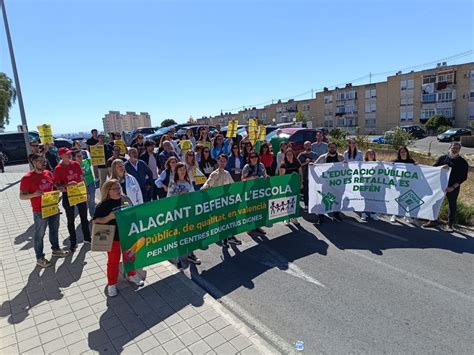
pixel 350 287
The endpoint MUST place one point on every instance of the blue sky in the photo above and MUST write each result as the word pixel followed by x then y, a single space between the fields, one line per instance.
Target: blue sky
pixel 78 59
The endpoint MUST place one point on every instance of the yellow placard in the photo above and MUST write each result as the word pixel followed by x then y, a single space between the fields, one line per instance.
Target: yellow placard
pixel 253 131
pixel 49 203
pixel 185 146
pixel 232 129
pixel 262 133
pixel 198 179
pixel 121 144
pixel 97 154
pixel 45 133
pixel 77 194
pixel 205 144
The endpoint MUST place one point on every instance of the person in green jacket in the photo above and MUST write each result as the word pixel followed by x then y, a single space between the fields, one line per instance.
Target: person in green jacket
pixel 86 166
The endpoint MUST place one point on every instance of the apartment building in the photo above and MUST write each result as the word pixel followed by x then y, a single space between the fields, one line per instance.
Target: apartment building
pixel 402 99
pixel 114 121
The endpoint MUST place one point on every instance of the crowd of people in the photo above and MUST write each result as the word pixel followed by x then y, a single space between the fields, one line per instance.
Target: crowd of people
pixel 146 171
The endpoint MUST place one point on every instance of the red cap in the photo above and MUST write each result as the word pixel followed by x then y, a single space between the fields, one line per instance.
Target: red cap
pixel 64 150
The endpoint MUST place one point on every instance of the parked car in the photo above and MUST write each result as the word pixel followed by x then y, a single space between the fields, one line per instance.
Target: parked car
pixel 295 137
pixel 12 145
pixel 62 142
pixel 453 134
pixel 379 140
pixel 130 138
pixel 416 131
pixel 182 130
pixel 156 137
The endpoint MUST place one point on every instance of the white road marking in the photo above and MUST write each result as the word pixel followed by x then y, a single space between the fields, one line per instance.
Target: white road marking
pixel 293 270
pixel 410 274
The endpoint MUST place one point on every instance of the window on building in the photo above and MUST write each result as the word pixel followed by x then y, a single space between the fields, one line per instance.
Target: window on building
pixel 350 108
pixel 403 115
pixel 370 122
pixel 446 77
pixel 370 93
pixel 446 112
pixel 328 99
pixel 340 109
pixel 427 113
pixel 370 107
pixel 403 101
pixel 409 115
pixel 410 84
pixel 471 96
pixel 445 96
pixel 428 79
pixel 403 84
pixel 428 98
pixel 328 123
pixel 340 96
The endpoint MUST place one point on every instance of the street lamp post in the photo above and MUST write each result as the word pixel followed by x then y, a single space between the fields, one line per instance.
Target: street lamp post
pixel 16 78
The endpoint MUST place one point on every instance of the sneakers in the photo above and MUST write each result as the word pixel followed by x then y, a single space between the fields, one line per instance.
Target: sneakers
pixel 88 241
pixel 179 265
pixel 407 219
pixel 363 216
pixel 135 279
pixel 112 290
pixel 43 262
pixel 233 240
pixel 225 244
pixel 374 216
pixel 294 221
pixel 260 230
pixel 287 222
pixel 393 219
pixel 59 253
pixel 430 224
pixel 449 228
pixel 193 259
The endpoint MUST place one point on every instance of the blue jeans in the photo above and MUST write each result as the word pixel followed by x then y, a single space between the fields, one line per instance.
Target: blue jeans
pixel 91 199
pixel 40 229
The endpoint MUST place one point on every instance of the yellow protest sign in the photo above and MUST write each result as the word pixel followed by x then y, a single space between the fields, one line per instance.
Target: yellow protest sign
pixel 77 194
pixel 232 129
pixel 253 131
pixel 199 179
pixel 185 146
pixel 206 144
pixel 262 133
pixel 121 144
pixel 49 203
pixel 97 154
pixel 45 133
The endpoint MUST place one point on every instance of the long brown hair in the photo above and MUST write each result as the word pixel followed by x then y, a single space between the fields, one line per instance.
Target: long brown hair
pixel 113 166
pixel 176 175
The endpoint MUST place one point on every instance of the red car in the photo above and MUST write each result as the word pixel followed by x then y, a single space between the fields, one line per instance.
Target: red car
pixel 295 136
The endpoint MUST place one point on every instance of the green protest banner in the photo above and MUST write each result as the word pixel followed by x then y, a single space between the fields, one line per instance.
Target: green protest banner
pixel 167 228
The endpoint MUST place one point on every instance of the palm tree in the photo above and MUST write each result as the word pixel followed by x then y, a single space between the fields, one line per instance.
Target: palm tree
pixel 7 98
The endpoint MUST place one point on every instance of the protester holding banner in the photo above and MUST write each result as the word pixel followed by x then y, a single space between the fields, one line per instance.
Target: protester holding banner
pixel 221 177
pixel 166 154
pixel 195 174
pixel 332 156
pixel 319 147
pixel 182 184
pixel 151 160
pixel 305 158
pixel 235 163
pixel 206 164
pixel 69 173
pixel 291 165
pixel 267 158
pixel 369 156
pixel 352 153
pixel 403 156
pixel 254 170
pixel 129 184
pixel 32 186
pixel 165 177
pixel 280 158
pixel 94 139
pixel 219 146
pixel 86 167
pixel 142 173
pixel 459 172
pixel 111 201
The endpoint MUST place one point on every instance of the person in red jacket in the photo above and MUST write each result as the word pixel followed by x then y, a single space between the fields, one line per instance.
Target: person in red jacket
pixel 69 172
pixel 33 184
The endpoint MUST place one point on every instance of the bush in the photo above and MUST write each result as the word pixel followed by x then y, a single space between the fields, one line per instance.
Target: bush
pixel 437 121
pixel 338 136
pixel 361 139
pixel 398 138
pixel 442 129
pixel 465 213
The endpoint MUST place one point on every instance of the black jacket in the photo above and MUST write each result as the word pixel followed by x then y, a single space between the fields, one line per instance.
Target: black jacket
pixel 459 168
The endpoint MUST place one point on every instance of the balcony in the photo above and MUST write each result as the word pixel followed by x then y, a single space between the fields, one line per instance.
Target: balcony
pixel 427 98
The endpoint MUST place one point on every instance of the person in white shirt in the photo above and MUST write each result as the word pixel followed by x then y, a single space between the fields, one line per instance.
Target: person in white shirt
pixel 352 153
pixel 220 177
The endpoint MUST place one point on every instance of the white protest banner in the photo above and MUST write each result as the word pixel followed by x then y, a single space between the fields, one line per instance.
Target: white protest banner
pixel 391 188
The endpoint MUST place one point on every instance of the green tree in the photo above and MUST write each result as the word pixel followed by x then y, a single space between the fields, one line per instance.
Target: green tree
pixel 300 116
pixel 168 122
pixel 7 98
pixel 398 138
pixel 338 136
pixel 437 121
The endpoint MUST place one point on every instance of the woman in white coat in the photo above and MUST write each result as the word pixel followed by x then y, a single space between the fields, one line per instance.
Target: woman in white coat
pixel 130 186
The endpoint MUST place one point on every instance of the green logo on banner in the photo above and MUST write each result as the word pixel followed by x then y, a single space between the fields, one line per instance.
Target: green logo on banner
pixel 167 228
pixel 329 199
pixel 409 201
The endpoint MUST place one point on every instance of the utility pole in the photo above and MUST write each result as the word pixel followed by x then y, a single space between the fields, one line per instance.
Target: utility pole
pixel 370 77
pixel 312 92
pixel 17 80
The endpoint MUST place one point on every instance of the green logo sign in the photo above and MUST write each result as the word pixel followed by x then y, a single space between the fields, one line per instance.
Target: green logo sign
pixel 409 201
pixel 329 199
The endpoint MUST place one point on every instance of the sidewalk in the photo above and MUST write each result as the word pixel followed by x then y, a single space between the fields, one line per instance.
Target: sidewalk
pixel 64 309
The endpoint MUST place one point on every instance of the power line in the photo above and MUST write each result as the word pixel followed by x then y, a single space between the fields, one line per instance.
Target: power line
pixel 369 76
